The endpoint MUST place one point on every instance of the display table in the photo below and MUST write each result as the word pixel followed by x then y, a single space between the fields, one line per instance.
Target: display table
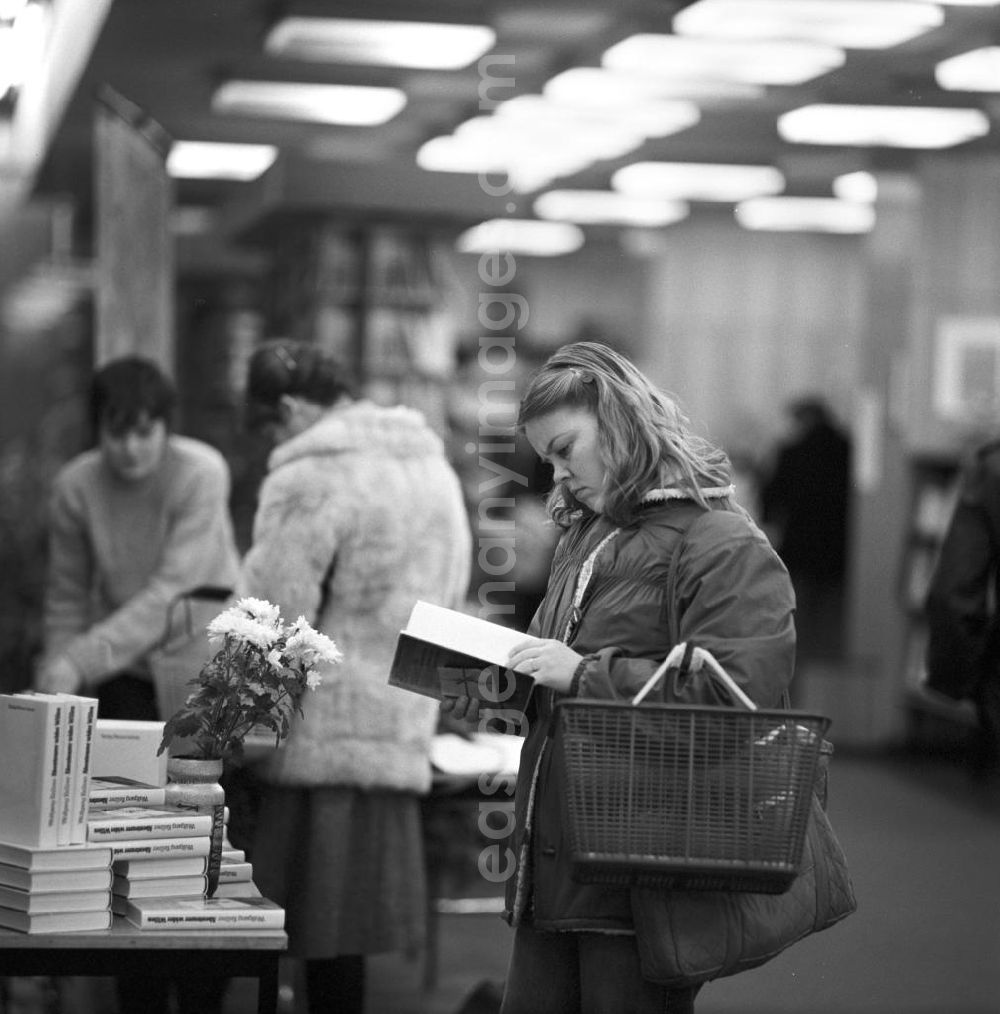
pixel 251 953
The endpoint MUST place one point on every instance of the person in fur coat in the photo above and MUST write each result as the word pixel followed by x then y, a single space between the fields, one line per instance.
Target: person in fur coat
pixel 359 516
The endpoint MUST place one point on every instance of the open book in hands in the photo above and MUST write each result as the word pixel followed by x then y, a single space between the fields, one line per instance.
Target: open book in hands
pixel 446 654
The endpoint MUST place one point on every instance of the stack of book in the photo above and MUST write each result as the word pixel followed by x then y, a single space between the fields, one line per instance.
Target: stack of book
pixel 55 890
pixel 79 838
pixel 51 878
pixel 180 876
pixel 157 848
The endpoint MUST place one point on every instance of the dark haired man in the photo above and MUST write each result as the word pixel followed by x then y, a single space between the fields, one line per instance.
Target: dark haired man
pixel 134 522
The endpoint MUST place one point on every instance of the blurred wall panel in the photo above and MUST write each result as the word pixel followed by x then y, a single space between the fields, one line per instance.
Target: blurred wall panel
pixel 738 322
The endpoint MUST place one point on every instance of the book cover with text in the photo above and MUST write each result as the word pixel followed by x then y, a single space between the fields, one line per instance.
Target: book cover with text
pixel 129 822
pixel 205 913
pixel 160 848
pixel 114 793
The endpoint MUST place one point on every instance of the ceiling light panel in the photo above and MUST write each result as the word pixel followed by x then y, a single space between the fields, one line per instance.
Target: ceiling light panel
pixel 861 187
pixel 805 214
pixel 763 63
pixel 697 181
pixel 346 105
pixel 852 24
pixel 211 160
pixel 600 88
pixel 415 44
pixel 975 71
pixel 643 118
pixel 886 126
pixel 521 236
pixel 605 207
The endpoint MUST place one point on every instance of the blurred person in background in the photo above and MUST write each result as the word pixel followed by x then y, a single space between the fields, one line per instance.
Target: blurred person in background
pixel 805 503
pixel 359 516
pixel 134 522
pixel 963 654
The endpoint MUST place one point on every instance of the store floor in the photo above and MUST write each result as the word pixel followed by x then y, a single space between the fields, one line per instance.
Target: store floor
pixel 924 846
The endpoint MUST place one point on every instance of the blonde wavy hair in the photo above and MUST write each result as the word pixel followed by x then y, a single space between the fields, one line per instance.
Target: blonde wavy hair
pixel 645 440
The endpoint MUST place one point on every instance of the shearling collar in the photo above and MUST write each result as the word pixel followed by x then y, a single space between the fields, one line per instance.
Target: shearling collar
pixel 362 425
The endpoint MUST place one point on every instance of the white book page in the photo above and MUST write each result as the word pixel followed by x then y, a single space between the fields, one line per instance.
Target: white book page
pixel 469 635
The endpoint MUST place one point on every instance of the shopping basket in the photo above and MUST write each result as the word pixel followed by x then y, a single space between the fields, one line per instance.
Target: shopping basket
pixel 688 797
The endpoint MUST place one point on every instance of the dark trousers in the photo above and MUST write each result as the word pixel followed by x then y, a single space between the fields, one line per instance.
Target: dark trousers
pixel 336 984
pixel 584 973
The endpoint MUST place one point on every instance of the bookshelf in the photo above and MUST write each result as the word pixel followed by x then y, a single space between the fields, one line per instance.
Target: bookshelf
pixel 370 295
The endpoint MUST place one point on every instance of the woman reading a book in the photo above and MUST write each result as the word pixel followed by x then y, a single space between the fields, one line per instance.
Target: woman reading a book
pixel 654 551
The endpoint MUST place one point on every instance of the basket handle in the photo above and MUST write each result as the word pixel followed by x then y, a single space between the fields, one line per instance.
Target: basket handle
pixel 692 659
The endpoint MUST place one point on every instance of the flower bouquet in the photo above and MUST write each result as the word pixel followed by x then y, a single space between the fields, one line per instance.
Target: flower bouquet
pixel 254 682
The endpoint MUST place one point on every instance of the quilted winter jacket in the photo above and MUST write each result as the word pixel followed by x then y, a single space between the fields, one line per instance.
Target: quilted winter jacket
pixel 359 517
pixel 731 595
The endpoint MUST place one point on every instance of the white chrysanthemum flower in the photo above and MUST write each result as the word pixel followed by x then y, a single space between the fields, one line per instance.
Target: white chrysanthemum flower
pixel 309 647
pixel 240 627
pixel 261 611
pixel 313 679
pixel 274 657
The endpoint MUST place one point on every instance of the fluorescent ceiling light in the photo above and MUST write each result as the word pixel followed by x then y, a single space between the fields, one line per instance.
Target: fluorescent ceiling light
pixel 417 44
pixel 860 186
pixel 604 207
pixel 346 105
pixel 975 71
pixel 600 88
pixel 211 160
pixel 805 214
pixel 521 236
pixel 649 118
pixel 453 155
pixel 528 167
pixel 852 24
pixel 889 126
pixel 697 181
pixel 766 63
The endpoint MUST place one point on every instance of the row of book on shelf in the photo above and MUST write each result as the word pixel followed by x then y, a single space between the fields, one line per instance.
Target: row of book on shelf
pixel 132 851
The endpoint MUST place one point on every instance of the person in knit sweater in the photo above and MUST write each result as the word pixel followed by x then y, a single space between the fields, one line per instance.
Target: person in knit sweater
pixel 359 516
pixel 134 522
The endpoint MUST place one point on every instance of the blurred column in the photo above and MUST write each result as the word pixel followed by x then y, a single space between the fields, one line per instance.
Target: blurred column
pixel 134 270
pixel 866 706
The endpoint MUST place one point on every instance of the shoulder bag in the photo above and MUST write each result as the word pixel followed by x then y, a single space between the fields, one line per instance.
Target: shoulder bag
pixel 688 937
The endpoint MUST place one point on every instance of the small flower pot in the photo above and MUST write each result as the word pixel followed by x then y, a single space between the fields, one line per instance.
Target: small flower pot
pixel 193 784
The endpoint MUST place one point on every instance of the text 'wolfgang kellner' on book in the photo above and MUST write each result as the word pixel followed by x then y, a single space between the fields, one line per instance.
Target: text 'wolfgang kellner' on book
pixel 46 751
pixel 446 653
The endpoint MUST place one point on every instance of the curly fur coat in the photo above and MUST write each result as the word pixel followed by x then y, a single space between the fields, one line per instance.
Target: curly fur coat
pixel 359 516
